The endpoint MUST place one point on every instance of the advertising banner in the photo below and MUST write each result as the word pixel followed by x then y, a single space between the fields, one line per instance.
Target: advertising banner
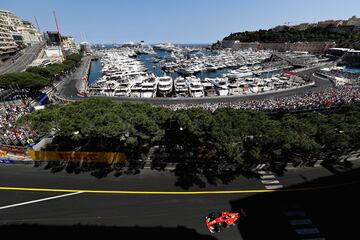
pixel 12 149
pixel 93 157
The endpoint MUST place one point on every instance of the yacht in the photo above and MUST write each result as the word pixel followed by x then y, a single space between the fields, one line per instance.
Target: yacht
pixel 181 87
pixel 209 89
pixel 254 88
pixel 164 47
pixel 149 87
pixel 234 87
pixel 165 86
pixel 136 90
pixel 239 73
pixel 186 71
pixel 196 89
pixel 221 86
pixel 123 89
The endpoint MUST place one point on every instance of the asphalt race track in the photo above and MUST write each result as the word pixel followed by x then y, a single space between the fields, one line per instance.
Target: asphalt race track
pixel 28 55
pixel 325 204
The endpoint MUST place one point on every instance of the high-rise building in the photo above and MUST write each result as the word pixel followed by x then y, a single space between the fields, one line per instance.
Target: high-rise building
pixel 69 44
pixel 29 33
pixel 16 33
pixel 7 42
pixel 52 38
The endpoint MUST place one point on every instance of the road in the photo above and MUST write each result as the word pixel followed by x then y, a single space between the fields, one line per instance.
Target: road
pixel 142 214
pixel 28 55
pixel 69 88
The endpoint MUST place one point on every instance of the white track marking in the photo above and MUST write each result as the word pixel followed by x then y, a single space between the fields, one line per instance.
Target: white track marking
pixel 295 214
pixel 300 222
pixel 271 187
pixel 39 200
pixel 306 231
pixel 267 177
pixel 270 181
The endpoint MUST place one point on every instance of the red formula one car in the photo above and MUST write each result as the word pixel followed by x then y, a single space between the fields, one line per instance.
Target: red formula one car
pixel 215 221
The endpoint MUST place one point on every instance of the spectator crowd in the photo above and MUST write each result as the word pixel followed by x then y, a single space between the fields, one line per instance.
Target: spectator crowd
pixel 327 98
pixel 9 133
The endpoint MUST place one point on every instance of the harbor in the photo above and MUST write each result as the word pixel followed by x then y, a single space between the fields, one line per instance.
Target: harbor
pixel 166 70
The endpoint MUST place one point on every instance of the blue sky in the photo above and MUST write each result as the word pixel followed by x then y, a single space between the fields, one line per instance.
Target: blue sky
pixel 177 21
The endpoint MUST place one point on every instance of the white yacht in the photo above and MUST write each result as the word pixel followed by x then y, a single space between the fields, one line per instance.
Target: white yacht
pixel 136 90
pixel 254 88
pixel 196 89
pixel 221 86
pixel 149 87
pixel 186 71
pixel 234 87
pixel 208 87
pixel 239 73
pixel 165 85
pixel 123 89
pixel 181 87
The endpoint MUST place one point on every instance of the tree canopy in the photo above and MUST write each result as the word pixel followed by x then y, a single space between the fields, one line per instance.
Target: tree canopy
pixel 350 39
pixel 23 80
pixel 214 146
pixel 54 70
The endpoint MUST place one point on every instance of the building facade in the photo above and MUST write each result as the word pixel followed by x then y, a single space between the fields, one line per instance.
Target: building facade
pixel 52 38
pixel 69 44
pixel 7 42
pixel 16 33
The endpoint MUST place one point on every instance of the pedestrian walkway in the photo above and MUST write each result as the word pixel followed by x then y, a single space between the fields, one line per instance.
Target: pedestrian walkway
pixel 269 180
pixel 303 226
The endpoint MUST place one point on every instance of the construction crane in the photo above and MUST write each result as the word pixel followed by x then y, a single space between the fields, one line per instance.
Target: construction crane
pixel 61 44
pixel 37 24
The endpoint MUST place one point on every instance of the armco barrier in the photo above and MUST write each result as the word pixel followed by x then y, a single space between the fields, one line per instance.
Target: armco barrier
pixel 93 157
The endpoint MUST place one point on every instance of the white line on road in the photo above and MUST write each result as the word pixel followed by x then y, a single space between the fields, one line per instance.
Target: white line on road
pixel 39 200
pixel 306 231
pixel 295 213
pixel 270 181
pixel 295 222
pixel 267 177
pixel 271 187
pixel 313 238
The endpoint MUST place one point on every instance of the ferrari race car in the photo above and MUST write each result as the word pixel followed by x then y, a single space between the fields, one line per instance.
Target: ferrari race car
pixel 216 221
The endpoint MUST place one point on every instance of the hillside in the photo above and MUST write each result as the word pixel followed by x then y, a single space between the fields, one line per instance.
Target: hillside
pixel 344 37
